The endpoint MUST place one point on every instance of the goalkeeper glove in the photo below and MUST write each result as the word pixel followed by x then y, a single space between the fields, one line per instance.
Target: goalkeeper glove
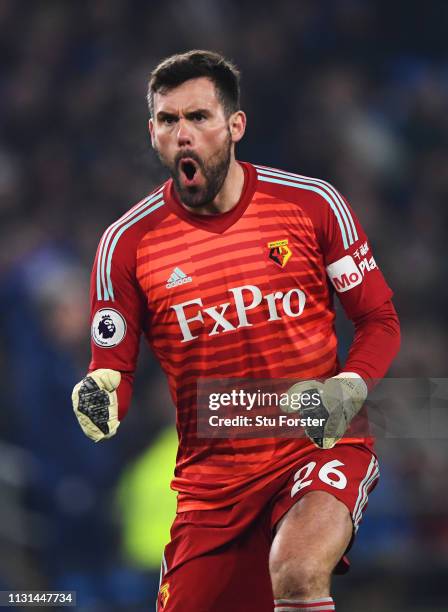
pixel 95 404
pixel 341 398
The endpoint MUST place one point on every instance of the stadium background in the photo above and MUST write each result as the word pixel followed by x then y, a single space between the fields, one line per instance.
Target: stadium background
pixel 353 91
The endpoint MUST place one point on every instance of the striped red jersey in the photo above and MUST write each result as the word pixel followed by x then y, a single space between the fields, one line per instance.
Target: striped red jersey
pixel 243 294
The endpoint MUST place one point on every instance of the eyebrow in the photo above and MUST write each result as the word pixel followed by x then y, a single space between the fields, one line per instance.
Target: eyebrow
pixel 196 111
pixel 165 114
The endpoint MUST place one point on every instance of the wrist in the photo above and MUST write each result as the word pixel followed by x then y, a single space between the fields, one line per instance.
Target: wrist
pixel 354 390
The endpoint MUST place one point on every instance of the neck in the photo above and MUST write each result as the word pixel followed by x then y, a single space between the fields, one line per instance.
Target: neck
pixel 228 195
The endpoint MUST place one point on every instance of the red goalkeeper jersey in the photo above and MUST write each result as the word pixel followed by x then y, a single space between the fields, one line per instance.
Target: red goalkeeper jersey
pixel 243 294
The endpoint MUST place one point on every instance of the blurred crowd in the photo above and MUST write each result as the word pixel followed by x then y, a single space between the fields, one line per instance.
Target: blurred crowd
pixel 352 91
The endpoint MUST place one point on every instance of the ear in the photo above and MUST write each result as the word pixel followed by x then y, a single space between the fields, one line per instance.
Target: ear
pixel 237 125
pixel 151 131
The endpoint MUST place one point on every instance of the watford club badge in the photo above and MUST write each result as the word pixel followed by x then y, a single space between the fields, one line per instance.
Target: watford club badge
pixel 279 252
pixel 164 595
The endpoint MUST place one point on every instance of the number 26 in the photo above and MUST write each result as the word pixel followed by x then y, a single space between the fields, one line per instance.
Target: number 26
pixel 327 474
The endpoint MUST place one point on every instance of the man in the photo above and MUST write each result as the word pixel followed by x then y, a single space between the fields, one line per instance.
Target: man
pixel 224 268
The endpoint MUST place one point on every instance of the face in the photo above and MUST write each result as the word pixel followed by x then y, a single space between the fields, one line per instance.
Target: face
pixel 194 139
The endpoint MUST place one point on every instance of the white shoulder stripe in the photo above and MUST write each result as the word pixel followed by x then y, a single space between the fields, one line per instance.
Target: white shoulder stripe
pixel 154 207
pixel 325 184
pixel 107 236
pixel 327 191
pixel 320 192
pixel 101 283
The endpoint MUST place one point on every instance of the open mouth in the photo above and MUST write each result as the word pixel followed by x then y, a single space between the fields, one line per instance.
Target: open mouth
pixel 189 168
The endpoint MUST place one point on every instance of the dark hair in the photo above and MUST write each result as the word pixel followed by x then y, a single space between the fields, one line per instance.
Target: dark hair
pixel 177 69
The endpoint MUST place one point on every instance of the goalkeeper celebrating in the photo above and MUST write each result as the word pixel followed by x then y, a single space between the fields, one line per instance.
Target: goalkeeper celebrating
pixel 230 269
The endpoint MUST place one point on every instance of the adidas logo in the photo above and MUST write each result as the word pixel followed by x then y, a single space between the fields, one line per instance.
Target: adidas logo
pixel 177 278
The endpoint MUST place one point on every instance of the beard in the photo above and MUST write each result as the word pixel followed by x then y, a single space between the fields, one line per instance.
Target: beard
pixel 214 172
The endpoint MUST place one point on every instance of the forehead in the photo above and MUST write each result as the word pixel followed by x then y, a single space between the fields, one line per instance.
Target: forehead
pixel 194 93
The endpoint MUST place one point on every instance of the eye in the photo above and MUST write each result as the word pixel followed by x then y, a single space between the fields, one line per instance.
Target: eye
pixel 198 117
pixel 168 120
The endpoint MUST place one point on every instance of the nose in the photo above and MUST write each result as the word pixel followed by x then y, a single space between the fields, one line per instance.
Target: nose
pixel 184 135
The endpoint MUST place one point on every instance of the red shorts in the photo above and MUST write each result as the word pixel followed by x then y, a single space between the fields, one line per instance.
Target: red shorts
pixel 218 560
